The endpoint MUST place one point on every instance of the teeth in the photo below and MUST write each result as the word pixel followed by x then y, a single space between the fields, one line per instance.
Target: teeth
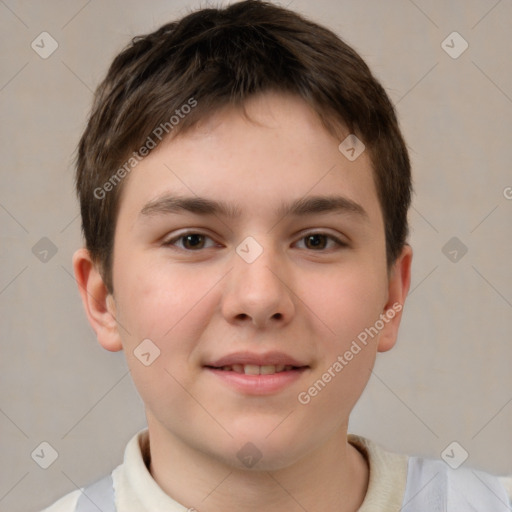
pixel 251 369
pixel 268 370
pixel 254 369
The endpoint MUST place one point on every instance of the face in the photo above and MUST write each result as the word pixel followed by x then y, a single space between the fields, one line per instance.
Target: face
pixel 252 255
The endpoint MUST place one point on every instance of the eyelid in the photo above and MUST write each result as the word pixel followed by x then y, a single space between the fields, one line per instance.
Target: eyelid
pixel 178 236
pixel 340 243
pixel 337 240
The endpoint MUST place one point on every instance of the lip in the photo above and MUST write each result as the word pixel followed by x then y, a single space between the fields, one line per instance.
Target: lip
pixel 257 384
pixel 264 359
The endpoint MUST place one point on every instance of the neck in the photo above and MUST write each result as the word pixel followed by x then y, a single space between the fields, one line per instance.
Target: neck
pixel 334 477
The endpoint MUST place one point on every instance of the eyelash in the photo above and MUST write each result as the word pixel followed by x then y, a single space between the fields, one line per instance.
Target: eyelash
pixel 170 243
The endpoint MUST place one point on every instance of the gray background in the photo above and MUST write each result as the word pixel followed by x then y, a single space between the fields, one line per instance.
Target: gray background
pixel 448 378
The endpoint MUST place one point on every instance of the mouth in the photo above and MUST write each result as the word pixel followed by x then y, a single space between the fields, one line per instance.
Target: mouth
pixel 257 374
pixel 254 369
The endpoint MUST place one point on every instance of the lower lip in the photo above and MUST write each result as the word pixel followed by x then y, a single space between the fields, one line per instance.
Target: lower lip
pixel 258 384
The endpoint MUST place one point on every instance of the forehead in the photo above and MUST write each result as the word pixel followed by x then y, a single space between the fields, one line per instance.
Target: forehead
pixel 254 165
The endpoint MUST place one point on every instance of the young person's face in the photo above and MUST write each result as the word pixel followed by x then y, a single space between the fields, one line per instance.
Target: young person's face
pixel 212 296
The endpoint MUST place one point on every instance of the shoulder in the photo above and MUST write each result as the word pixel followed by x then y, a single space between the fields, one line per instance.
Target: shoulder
pixel 417 484
pixel 387 475
pixel 506 481
pixel 108 484
pixel 66 504
pixel 434 483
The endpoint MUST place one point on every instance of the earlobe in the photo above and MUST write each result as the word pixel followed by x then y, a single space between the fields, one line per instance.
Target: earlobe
pixel 398 288
pixel 98 303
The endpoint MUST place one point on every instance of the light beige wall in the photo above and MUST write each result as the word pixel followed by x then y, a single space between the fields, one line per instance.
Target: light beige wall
pixel 449 377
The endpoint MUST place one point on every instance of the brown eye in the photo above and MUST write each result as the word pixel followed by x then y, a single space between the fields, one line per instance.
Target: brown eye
pixel 320 242
pixel 316 241
pixel 193 241
pixel 189 242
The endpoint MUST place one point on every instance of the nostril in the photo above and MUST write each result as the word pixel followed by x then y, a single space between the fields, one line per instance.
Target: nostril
pixel 245 316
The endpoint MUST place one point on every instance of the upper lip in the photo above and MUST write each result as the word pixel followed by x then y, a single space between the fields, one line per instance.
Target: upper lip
pixel 265 359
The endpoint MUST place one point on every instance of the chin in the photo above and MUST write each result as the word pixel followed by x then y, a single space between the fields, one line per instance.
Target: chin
pixel 263 447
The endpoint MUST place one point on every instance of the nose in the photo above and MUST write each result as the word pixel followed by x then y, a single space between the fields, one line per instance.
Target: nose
pixel 259 292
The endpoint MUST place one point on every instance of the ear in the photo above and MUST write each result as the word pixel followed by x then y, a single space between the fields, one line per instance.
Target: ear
pixel 98 302
pixel 398 288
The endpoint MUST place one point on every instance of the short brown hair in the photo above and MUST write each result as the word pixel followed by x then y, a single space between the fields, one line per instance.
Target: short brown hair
pixel 220 57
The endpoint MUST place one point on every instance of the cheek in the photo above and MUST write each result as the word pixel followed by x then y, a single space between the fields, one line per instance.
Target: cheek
pixel 163 304
pixel 346 301
pixel 348 304
pixel 158 299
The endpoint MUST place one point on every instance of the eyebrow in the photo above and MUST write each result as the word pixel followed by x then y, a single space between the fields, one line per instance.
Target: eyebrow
pixel 310 205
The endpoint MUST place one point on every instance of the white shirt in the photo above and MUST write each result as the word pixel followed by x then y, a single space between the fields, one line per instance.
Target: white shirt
pixel 136 491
